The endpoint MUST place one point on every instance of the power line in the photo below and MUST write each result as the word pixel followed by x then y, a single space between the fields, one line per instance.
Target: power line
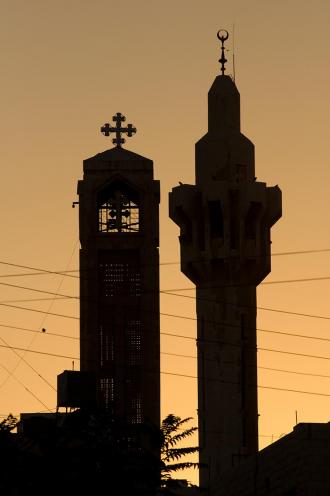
pixel 25 387
pixel 47 333
pixel 170 292
pixel 168 314
pixel 17 307
pixel 295 372
pixel 38 290
pixel 39 271
pixel 28 364
pixel 259 387
pixel 282 333
pixel 272 331
pixel 25 300
pixel 179 375
pixel 271 350
pixel 181 336
pixel 68 273
pixel 27 350
pixel 45 314
pixel 267 309
pixel 190 318
pixel 191 357
pixel 236 285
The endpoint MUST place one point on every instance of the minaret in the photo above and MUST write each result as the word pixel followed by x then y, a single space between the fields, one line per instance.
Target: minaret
pixel 225 222
pixel 119 270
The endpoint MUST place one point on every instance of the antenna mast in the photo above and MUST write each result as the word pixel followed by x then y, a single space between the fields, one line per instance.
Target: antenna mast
pixel 234 52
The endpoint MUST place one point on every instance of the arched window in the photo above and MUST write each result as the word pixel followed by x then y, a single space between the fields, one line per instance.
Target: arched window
pixel 118 210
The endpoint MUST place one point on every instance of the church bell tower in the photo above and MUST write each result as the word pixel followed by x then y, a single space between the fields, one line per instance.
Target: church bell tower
pixel 225 221
pixel 119 273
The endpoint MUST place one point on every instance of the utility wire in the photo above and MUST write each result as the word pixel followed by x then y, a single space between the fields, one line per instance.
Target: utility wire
pixel 176 374
pixel 295 372
pixel 170 292
pixel 282 333
pixel 187 318
pixel 69 296
pixel 26 388
pixel 174 335
pixel 240 285
pixel 271 350
pixel 267 309
pixel 17 307
pixel 68 273
pixel 25 300
pixel 28 364
pixel 47 333
pixel 28 350
pixel 39 290
pixel 45 315
pixel 259 387
pixel 39 271
pixel 195 358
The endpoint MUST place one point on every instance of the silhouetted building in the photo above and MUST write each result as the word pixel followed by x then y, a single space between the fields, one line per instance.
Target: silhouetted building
pixel 295 465
pixel 225 221
pixel 119 273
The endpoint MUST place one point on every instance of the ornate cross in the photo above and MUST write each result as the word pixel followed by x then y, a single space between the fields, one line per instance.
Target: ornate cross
pixel 118 119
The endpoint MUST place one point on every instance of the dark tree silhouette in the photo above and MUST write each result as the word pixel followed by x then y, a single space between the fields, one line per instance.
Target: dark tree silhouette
pixel 174 431
pixel 92 453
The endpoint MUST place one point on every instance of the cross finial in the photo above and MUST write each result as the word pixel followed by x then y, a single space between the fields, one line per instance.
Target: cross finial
pixel 118 119
pixel 223 35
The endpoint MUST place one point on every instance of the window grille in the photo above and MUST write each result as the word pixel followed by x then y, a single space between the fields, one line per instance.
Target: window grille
pixel 107 387
pixel 119 211
pixel 136 410
pixel 106 345
pixel 134 342
pixel 119 278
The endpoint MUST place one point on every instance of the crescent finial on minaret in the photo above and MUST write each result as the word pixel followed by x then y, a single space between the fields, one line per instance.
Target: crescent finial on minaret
pixel 222 35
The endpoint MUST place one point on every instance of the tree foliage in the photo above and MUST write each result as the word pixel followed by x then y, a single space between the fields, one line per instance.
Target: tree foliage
pixel 92 453
pixel 174 431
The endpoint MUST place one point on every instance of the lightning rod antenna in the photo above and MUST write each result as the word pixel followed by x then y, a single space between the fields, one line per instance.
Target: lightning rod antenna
pixel 234 52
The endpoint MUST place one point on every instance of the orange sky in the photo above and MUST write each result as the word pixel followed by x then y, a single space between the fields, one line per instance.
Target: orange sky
pixel 67 67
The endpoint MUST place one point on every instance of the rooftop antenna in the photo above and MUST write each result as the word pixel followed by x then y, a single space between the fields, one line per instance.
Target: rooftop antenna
pixel 234 52
pixel 222 35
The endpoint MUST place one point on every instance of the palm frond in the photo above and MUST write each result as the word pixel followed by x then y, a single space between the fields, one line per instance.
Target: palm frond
pixel 172 423
pixel 177 453
pixel 179 437
pixel 175 467
pixel 174 431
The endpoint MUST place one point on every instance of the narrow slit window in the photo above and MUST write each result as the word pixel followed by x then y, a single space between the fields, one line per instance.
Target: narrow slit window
pixel 215 219
pixel 251 220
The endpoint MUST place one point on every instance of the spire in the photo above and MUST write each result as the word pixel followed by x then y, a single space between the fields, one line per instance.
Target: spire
pixel 224 99
pixel 222 35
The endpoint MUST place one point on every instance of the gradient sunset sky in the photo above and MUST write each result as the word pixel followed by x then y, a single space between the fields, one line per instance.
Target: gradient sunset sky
pixel 67 68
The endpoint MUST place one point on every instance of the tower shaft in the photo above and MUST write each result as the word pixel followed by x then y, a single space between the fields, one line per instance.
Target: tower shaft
pixel 119 267
pixel 225 221
pixel 227 376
